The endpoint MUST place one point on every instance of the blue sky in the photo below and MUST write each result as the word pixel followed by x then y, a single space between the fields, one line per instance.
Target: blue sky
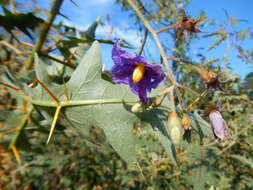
pixel 123 27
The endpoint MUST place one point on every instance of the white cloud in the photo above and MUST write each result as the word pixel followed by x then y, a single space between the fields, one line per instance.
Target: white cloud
pixel 107 31
pixel 72 24
pixel 129 35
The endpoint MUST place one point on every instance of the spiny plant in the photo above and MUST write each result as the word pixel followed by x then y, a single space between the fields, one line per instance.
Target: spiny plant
pixel 141 119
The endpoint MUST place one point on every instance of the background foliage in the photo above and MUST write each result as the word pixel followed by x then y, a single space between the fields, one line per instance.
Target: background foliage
pixel 98 142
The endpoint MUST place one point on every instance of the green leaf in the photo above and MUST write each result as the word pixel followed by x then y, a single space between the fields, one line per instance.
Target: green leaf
pixel 21 21
pixel 86 83
pixel 90 32
pixel 243 160
pixel 168 146
pixel 108 109
pixel 217 41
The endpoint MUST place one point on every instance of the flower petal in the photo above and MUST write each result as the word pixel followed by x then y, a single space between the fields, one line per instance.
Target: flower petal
pixel 155 76
pixel 121 56
pixel 122 73
pixel 140 59
pixel 140 89
pixel 219 125
pixel 133 86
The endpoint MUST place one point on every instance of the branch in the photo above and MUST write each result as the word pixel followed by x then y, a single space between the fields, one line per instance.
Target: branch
pixel 39 43
pixel 17 51
pixel 20 127
pixel 166 28
pixel 143 42
pixel 66 63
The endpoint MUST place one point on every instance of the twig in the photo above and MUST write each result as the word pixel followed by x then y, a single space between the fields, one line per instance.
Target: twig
pixel 203 94
pixel 188 89
pixel 191 91
pixel 39 43
pixel 174 175
pixel 17 51
pixel 66 63
pixel 234 142
pixel 182 60
pixel 167 28
pixel 247 101
pixel 143 42
pixel 9 86
pixel 21 126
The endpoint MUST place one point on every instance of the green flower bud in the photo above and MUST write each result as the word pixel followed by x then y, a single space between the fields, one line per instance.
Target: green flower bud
pixel 138 107
pixel 174 127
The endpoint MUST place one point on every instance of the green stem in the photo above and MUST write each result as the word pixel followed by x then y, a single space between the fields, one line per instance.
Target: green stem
pixel 21 126
pixel 39 43
pixel 143 42
pixel 75 102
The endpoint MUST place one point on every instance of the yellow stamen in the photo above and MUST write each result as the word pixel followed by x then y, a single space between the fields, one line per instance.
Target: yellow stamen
pixel 138 73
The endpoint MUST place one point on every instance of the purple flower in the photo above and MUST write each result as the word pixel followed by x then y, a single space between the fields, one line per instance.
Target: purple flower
pixel 251 117
pixel 219 125
pixel 135 71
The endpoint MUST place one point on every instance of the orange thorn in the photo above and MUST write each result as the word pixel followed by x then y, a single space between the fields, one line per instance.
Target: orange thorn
pixel 49 92
pixel 45 87
pixel 9 131
pixel 16 154
pixel 5 63
pixel 9 86
pixel 27 44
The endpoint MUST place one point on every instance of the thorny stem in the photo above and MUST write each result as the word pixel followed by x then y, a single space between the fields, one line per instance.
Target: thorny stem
pixel 75 102
pixel 39 43
pixel 67 103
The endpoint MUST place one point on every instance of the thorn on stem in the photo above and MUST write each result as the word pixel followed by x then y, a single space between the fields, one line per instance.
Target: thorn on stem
pixel 16 154
pixel 56 115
